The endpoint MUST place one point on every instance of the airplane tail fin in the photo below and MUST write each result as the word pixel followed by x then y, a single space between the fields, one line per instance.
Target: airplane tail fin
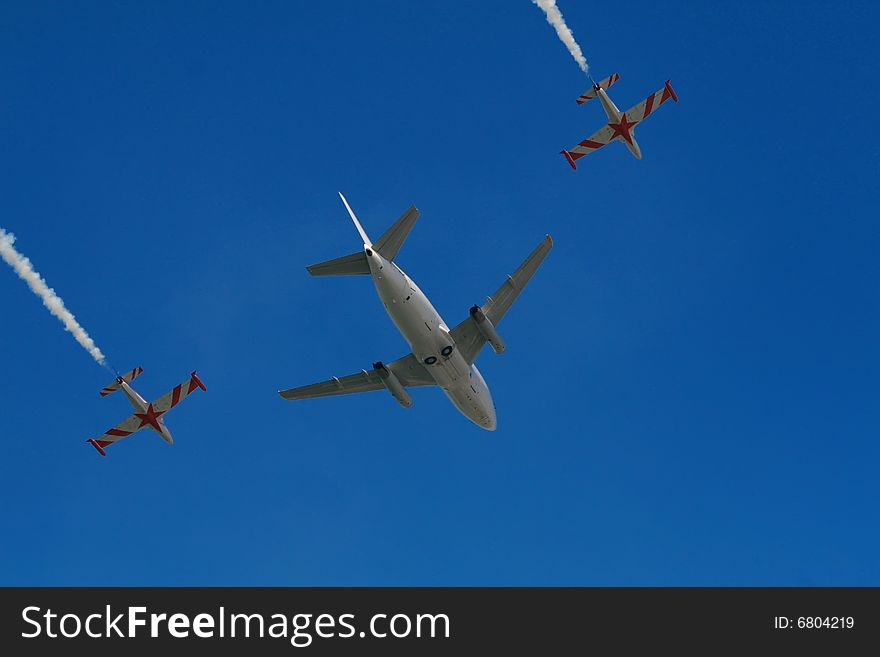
pixel 357 224
pixel 128 377
pixel 387 246
pixel 591 93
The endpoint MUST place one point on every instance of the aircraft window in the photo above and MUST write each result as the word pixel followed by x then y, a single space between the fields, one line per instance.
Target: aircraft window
pixel 446 350
pixel 430 360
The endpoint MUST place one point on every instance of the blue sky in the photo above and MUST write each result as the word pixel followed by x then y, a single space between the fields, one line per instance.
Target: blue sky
pixel 690 391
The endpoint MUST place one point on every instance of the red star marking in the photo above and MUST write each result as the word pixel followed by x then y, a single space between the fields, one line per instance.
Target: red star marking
pixel 151 417
pixel 623 129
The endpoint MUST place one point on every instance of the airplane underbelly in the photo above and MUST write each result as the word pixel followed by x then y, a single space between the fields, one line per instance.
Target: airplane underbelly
pixel 415 324
pixel 428 337
pixel 408 308
pixel 450 370
pixel 426 333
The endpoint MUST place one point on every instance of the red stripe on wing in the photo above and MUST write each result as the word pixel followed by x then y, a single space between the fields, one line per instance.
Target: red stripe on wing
pixel 588 143
pixel 649 105
pixel 175 395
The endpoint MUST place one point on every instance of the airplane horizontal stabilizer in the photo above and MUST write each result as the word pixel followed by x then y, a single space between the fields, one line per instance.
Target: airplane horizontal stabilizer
pixel 128 377
pixel 392 239
pixel 591 93
pixel 350 265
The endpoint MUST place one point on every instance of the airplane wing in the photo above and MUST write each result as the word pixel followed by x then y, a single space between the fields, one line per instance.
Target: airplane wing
pixel 177 394
pixel 644 109
pixel 589 145
pixel 467 337
pixel 128 426
pixel 408 370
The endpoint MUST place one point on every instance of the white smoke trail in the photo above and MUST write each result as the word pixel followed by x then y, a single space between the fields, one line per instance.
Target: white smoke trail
pixel 554 17
pixel 52 301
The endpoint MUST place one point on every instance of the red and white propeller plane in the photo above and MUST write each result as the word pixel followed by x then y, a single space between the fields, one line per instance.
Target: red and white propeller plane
pixel 145 415
pixel 621 125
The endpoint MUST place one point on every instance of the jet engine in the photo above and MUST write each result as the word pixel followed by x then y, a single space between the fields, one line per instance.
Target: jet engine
pixel 487 329
pixel 393 384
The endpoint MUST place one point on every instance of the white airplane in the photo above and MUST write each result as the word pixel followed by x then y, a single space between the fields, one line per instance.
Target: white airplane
pixel 621 125
pixel 440 356
pixel 145 415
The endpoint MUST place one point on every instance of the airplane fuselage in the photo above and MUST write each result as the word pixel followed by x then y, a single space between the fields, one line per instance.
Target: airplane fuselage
pixel 428 336
pixel 618 122
pixel 144 411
